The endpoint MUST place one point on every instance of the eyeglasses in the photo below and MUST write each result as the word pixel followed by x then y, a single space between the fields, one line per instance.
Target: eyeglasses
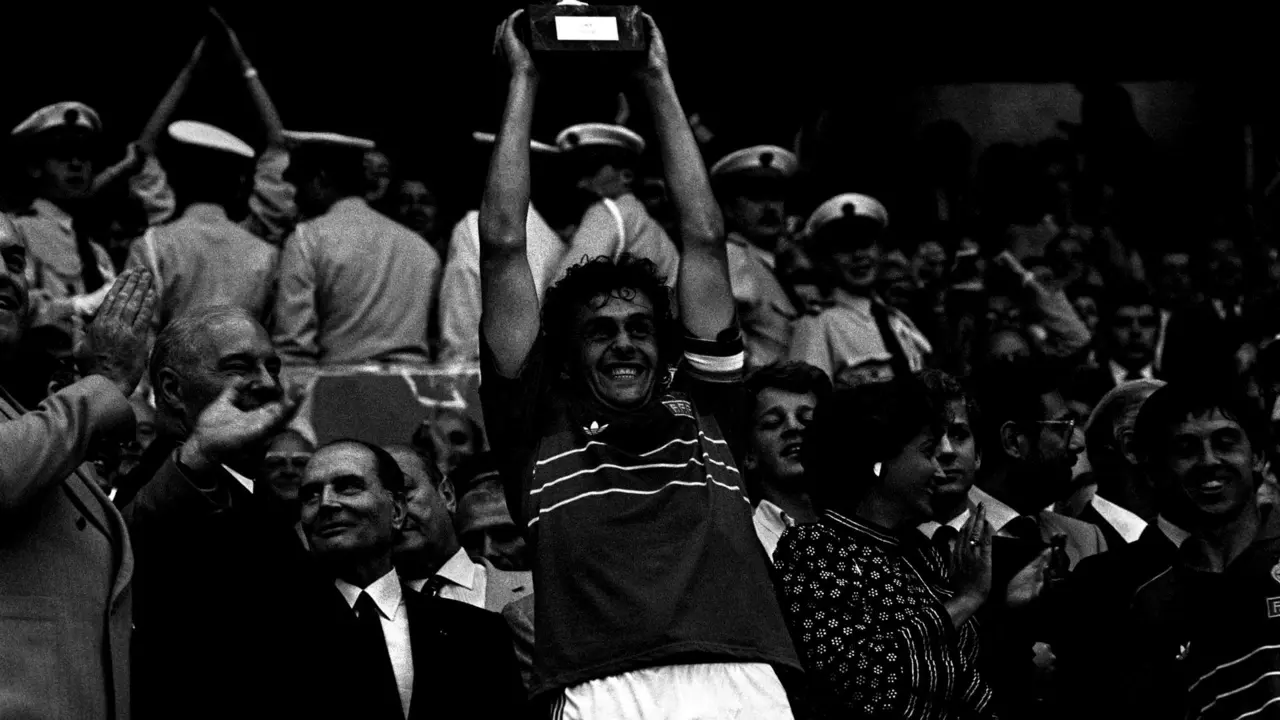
pixel 1066 427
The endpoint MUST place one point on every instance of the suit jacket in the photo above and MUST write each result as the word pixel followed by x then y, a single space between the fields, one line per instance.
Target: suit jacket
pixel 1091 613
pixel 211 571
pixel 463 662
pixel 504 587
pixel 66 565
pixel 519 618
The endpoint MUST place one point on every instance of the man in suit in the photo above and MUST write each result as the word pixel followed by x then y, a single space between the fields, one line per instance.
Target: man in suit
pixel 400 653
pixel 1129 331
pixel 1030 443
pixel 429 556
pixel 200 533
pixel 1117 496
pixel 66 594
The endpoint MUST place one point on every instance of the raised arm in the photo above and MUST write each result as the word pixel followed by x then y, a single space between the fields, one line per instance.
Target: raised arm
pixel 706 297
pixel 163 113
pixel 267 113
pixel 509 298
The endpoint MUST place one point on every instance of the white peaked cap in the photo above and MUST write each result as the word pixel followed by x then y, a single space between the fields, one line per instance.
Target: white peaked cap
pixel 207 136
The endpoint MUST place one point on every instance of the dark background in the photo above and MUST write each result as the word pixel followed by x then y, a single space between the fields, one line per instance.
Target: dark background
pixel 419 77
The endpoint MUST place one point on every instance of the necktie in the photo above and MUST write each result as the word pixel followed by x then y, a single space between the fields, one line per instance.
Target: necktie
pixel 374 649
pixel 898 358
pixel 943 537
pixel 1023 527
pixel 434 585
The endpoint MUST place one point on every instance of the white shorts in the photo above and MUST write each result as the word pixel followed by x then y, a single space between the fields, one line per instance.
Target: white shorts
pixel 710 691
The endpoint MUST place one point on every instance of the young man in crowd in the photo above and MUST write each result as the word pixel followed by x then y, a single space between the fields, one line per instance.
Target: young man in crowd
pixel 846 232
pixel 1202 635
pixel 354 285
pixel 429 556
pixel 782 399
pixel 606 450
pixel 751 186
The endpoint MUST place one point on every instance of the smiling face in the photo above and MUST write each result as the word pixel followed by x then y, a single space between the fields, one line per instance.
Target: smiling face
pixel 777 435
pixel 15 301
pixel 346 511
pixel 617 358
pixel 910 480
pixel 1209 467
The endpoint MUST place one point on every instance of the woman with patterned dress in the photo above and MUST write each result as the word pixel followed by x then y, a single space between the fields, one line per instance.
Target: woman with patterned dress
pixel 882 618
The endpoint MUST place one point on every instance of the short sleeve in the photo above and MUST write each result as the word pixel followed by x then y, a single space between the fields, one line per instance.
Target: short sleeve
pixel 511 408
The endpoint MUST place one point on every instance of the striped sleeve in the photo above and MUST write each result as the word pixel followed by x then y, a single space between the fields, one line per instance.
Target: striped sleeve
pixel 1246 687
pixel 718 361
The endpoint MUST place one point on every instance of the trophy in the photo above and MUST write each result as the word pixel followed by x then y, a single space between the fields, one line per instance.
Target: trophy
pixel 573 26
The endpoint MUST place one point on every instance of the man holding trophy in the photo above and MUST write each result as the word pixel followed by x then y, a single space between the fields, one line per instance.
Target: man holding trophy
pixel 618 426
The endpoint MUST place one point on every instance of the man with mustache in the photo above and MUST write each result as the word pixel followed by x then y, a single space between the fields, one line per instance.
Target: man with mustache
pixel 782 401
pixel 751 186
pixel 653 597
pixel 1203 630
pixel 66 597
pixel 201 531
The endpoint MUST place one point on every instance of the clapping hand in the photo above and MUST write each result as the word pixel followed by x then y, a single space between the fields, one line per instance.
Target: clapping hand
pixel 225 429
pixel 119 335
pixel 971 556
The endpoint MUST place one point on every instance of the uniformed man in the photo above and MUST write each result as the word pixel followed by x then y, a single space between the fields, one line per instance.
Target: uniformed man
pixel 69 274
pixel 354 285
pixel 846 233
pixel 204 258
pixel 602 160
pixel 460 285
pixel 750 185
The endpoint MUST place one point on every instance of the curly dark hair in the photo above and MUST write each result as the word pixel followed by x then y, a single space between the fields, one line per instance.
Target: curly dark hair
pixel 593 278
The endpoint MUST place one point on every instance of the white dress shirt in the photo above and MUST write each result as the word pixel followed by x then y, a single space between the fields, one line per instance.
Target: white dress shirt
pixel 465 580
pixel 246 482
pixel 388 597
pixel 770 521
pixel 1119 373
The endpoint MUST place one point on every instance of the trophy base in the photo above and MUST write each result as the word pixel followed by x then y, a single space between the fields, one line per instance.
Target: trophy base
pixel 587 28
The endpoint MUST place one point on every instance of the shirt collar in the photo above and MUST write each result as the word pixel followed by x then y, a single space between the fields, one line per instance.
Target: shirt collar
pixel 859 528
pixel 998 514
pixel 44 208
pixel 246 482
pixel 205 212
pixel 385 592
pixel 1118 372
pixel 766 258
pixel 847 300
pixel 459 570
pixel 774 515
pixel 349 203
pixel 1176 535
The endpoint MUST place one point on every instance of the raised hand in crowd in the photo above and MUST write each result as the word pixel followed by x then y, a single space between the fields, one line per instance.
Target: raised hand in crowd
pixel 118 338
pixel 235 421
pixel 971 567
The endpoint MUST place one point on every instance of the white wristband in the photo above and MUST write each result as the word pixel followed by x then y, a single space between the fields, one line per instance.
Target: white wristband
pixel 250 73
